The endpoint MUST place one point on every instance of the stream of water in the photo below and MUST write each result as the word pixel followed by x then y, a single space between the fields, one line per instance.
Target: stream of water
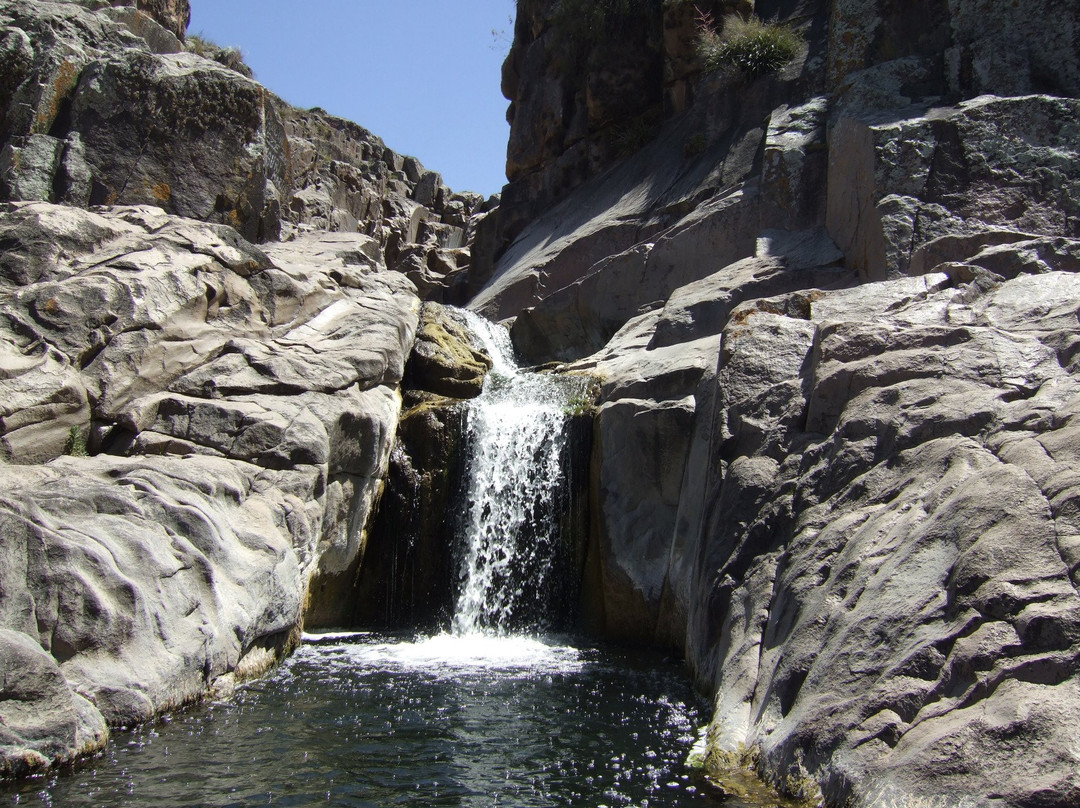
pixel 515 550
pixel 496 711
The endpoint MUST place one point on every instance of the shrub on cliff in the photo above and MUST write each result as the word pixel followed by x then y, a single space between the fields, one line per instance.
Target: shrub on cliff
pixel 232 58
pixel 748 45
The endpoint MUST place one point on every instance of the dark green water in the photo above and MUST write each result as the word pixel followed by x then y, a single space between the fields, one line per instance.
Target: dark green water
pixel 380 721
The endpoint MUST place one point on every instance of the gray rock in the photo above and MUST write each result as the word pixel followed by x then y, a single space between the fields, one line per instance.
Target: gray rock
pixel 134 113
pixel 987 47
pixel 161 575
pixel 41 720
pixel 988 164
pixel 821 494
pixel 27 169
pixel 586 314
pixel 173 15
pixel 857 482
pixel 255 396
pixel 157 37
pixel 427 188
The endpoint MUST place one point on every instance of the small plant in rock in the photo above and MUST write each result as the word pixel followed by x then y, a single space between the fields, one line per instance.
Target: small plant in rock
pixel 76 443
pixel 747 45
pixel 232 58
pixel 632 136
pixel 584 397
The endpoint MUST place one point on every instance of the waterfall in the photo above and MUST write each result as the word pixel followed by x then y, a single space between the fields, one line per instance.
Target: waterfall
pixel 513 550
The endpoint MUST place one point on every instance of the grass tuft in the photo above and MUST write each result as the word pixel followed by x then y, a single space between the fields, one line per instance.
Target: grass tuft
pixel 747 45
pixel 76 443
pixel 232 58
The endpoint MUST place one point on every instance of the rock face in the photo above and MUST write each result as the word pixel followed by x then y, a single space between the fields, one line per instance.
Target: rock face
pixel 173 15
pixel 240 405
pixel 194 431
pixel 410 569
pixel 106 107
pixel 831 311
pixel 588 83
pixel 834 459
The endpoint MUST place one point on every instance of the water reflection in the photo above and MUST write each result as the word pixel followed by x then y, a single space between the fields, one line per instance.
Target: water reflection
pixel 442 721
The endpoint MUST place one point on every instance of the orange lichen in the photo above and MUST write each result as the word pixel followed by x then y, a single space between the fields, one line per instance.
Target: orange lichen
pixel 162 192
pixel 67 75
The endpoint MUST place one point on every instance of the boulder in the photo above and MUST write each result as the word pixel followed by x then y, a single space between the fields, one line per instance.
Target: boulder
pixel 444 361
pixel 161 575
pixel 27 170
pixel 120 109
pixel 239 407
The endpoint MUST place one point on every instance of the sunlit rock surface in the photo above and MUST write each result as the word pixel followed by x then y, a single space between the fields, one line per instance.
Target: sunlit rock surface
pixel 834 455
pixel 241 406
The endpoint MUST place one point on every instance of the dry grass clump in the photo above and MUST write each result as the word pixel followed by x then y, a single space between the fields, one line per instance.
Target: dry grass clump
pixel 232 58
pixel 747 45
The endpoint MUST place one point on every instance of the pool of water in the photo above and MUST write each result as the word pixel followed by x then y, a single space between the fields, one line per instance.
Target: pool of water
pixel 372 720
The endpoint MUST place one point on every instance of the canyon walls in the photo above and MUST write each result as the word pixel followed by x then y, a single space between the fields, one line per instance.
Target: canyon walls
pixel 831 311
pixel 829 307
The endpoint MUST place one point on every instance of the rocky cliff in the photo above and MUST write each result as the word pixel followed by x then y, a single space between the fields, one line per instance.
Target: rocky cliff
pixel 832 309
pixel 107 107
pixel 194 430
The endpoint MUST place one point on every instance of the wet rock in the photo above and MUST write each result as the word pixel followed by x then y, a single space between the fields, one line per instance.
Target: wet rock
pixel 444 361
pixel 407 576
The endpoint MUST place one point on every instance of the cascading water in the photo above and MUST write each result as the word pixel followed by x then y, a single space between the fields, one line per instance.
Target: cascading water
pixel 513 550
pixel 487 714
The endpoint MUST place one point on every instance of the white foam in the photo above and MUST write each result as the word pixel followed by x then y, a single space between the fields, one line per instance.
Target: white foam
pixel 330 636
pixel 453 655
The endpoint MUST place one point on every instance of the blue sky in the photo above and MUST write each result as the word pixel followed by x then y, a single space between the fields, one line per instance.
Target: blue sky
pixel 421 74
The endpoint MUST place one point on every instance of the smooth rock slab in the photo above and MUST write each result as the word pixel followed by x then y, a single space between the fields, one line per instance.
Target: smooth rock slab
pixel 146 580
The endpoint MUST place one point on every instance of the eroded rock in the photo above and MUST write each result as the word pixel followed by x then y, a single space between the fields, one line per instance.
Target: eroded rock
pixel 240 406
